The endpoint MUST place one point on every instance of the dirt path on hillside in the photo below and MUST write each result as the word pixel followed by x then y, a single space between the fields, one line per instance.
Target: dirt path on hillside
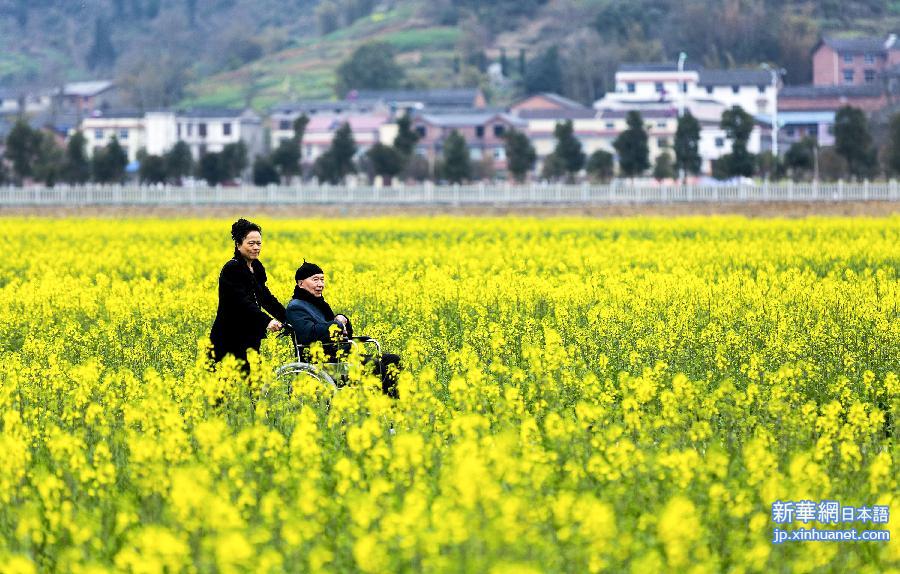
pixel 754 210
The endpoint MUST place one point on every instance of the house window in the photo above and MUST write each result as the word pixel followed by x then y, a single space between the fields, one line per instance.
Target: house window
pixel 720 142
pixel 123 134
pixel 499 153
pixel 870 58
pixel 98 134
pixel 499 130
pixel 709 90
pixel 812 130
pixel 475 153
pixel 761 89
pixel 848 76
pixel 284 125
pixel 870 76
pixel 848 58
pixel 610 125
pixel 735 89
pixel 684 87
pixel 789 131
pixel 662 142
pixel 630 87
pixel 226 129
pixel 190 129
pixel 659 87
pixel 830 129
pixel 661 124
pixel 201 130
pixel 479 131
pixel 178 129
pixel 421 130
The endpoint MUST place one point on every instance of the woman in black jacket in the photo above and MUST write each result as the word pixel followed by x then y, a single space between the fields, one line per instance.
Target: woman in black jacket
pixel 240 322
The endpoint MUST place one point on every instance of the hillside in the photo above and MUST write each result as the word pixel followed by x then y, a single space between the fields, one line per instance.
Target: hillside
pixel 232 52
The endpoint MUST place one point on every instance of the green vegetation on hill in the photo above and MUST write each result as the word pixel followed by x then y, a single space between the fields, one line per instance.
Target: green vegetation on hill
pixel 234 52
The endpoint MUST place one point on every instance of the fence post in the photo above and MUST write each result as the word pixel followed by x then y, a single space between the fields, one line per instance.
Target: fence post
pixel 866 190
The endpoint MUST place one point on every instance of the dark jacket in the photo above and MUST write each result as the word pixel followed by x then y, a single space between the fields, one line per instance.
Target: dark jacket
pixel 240 323
pixel 311 317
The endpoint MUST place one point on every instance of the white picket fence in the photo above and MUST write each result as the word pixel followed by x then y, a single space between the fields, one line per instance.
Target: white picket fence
pixel 614 193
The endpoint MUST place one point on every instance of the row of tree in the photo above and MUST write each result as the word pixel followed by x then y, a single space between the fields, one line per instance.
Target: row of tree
pixel 35 155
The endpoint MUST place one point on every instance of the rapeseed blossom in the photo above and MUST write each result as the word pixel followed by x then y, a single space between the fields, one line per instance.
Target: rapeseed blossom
pixel 578 396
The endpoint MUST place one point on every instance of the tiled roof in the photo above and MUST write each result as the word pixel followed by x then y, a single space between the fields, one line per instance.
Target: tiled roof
pixel 462 120
pixel 210 113
pixel 645 114
pixel 568 114
pixel 850 91
pixel 86 89
pixel 657 67
pixel 737 77
pixel 313 107
pixel 439 97
pixel 357 123
pixel 857 45
pixel 560 100
pixel 122 113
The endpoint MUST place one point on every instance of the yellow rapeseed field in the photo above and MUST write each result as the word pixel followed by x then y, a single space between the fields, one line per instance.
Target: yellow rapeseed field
pixel 578 396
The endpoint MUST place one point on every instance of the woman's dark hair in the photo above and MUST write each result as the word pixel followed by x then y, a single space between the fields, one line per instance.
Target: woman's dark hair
pixel 239 231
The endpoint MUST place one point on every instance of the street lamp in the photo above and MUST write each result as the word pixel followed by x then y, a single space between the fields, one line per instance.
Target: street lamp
pixel 681 83
pixel 775 73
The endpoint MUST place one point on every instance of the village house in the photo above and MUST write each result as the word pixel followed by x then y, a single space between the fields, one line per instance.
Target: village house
pixel 367 130
pixel 127 127
pixel 853 61
pixel 85 97
pixel 204 130
pixel 483 132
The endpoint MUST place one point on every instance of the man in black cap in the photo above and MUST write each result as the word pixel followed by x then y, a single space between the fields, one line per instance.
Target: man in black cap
pixel 313 320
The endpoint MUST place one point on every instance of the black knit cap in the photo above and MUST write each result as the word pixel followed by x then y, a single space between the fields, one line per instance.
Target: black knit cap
pixel 307 270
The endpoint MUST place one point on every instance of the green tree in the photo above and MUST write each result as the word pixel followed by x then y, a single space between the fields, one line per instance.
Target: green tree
pixel 108 164
pixel 264 172
pixel 600 165
pixel 179 162
pixel 892 157
pixel 102 54
pixel 337 163
pixel 343 148
pixel 568 148
pixel 853 142
pixel 153 169
pixel 300 128
pixel 800 158
pixel 286 158
pixel 738 126
pixel 371 66
pixel 687 145
pixel 234 159
pixel 457 167
pixel 544 73
pixel 212 169
pixel 664 168
pixel 406 139
pixel 23 149
pixel 77 166
pixel 386 161
pixel 49 165
pixel 325 169
pixel 554 167
pixel 520 154
pixel 632 147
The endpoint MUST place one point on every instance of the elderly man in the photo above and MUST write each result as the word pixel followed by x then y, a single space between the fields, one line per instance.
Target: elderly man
pixel 313 320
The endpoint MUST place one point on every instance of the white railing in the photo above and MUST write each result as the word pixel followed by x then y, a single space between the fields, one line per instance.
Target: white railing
pixel 616 192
